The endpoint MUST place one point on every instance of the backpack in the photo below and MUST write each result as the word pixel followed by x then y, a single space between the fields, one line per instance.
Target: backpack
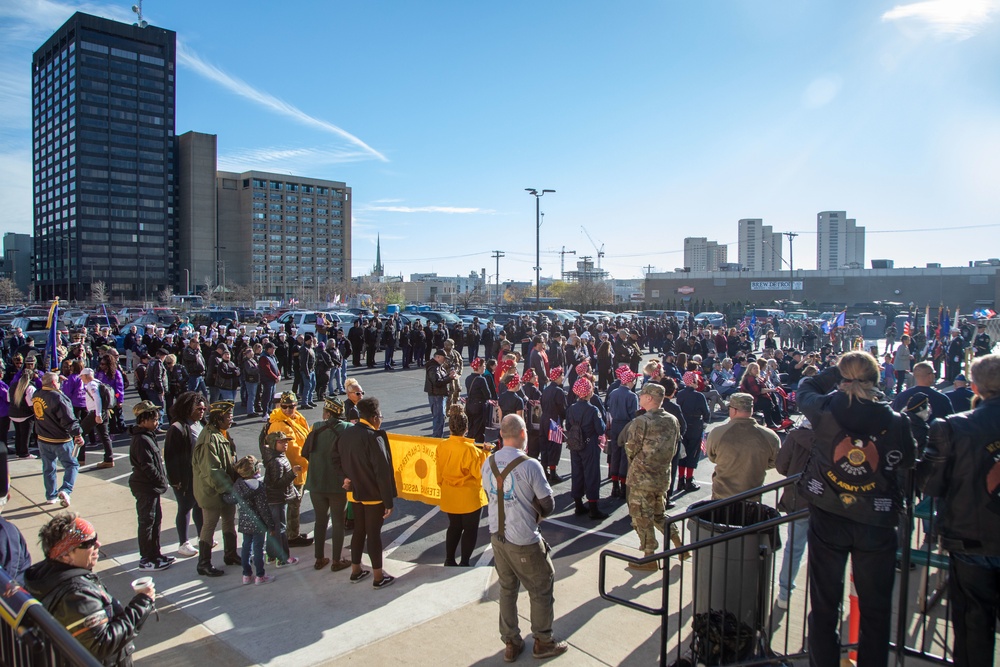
pixel 574 437
pixel 108 398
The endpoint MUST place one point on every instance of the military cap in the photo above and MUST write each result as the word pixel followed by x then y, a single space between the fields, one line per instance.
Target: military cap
pixel 288 398
pixel 654 389
pixel 278 436
pixel 741 402
pixel 334 406
pixel 221 407
pixel 144 407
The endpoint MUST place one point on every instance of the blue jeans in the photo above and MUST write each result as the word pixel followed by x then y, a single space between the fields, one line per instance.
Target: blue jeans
pixel 49 453
pixel 197 383
pixel 340 375
pixel 390 352
pixel 266 397
pixel 798 536
pixel 227 395
pixel 253 541
pixel 437 404
pixel 252 396
pixel 277 547
pixel 157 400
pixel 308 387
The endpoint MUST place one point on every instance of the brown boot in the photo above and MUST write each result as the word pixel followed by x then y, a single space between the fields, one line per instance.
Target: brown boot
pixel 514 649
pixel 646 567
pixel 675 539
pixel 549 649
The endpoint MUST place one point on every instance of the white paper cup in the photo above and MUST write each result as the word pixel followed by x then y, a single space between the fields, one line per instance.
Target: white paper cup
pixel 141 584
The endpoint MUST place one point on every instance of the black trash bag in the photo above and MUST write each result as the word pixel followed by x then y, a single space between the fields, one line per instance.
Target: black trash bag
pixel 720 639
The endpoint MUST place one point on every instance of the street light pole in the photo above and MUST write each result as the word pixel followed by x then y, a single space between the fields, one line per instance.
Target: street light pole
pixel 538 238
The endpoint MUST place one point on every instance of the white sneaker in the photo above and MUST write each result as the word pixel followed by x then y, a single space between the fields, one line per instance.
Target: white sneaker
pixel 64 499
pixel 186 550
pixel 781 603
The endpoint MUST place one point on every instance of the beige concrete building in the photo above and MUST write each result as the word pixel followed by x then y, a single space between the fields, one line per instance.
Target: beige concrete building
pixel 700 254
pixel 759 246
pixel 197 210
pixel 284 236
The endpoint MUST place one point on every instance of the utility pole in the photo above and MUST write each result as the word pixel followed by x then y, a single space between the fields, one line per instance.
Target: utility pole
pixel 538 231
pixel 649 269
pixel 791 264
pixel 562 261
pixel 497 254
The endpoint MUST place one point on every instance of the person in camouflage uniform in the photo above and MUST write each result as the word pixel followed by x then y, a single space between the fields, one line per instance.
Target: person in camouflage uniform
pixel 453 362
pixel 650 444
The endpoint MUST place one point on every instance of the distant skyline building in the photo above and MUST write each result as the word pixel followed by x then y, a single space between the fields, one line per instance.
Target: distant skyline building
pixel 759 246
pixel 103 160
pixel 840 243
pixel 700 254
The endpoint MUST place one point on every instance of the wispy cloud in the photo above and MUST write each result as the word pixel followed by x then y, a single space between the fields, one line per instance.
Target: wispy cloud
pixel 33 20
pixel 300 160
pixel 187 57
pixel 427 209
pixel 959 19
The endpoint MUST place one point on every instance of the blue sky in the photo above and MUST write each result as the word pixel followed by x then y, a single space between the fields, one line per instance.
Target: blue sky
pixel 652 120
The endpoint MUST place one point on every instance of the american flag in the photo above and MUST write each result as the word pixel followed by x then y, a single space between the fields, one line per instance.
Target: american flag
pixel 556 432
pixel 907 329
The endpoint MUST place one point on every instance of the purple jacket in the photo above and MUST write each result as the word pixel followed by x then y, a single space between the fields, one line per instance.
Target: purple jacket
pixel 4 399
pixel 73 388
pixel 116 383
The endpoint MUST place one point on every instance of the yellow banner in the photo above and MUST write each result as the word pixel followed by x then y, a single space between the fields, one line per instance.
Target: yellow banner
pixel 414 460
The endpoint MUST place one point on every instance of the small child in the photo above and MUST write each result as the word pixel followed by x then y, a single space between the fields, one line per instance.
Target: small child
pixel 255 518
pixel 279 475
pixel 888 376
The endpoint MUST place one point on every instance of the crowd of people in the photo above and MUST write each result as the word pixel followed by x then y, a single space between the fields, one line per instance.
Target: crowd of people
pixel 538 387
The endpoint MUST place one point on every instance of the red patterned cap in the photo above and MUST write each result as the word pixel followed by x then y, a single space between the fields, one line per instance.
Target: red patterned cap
pixel 625 375
pixel 555 373
pixel 528 376
pixel 513 382
pixel 583 387
pixel 691 379
pixel 582 367
pixel 477 363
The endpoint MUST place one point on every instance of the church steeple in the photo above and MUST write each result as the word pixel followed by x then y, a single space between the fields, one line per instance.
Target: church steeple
pixel 378 271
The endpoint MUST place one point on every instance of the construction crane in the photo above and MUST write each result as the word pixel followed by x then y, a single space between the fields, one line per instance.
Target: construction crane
pixel 600 251
pixel 562 261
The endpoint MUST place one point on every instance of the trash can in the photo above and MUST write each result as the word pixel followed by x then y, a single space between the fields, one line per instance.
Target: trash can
pixel 734 575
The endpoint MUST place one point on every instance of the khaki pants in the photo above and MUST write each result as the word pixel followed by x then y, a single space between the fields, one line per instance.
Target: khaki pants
pixel 648 513
pixel 211 517
pixel 530 566
pixel 293 514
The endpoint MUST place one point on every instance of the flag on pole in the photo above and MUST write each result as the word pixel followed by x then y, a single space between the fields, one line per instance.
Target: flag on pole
pixel 945 325
pixel 908 324
pixel 556 432
pixel 52 343
pixel 927 322
pixel 107 319
pixel 753 325
pixel 838 321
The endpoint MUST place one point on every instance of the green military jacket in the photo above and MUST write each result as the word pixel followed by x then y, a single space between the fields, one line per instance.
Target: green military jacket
pixel 650 444
pixel 214 467
pixel 326 474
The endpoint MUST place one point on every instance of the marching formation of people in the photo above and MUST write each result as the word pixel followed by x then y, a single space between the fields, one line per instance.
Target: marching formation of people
pixel 538 387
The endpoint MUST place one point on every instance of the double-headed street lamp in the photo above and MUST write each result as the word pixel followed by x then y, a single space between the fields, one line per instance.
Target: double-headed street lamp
pixel 538 194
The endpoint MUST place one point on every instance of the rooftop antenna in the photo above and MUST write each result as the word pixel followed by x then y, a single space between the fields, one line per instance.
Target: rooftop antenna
pixel 138 12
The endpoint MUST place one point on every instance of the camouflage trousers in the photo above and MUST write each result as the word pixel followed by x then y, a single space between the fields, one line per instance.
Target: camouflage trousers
pixel 648 513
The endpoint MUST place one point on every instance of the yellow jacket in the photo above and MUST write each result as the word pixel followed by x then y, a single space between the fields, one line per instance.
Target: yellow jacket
pixel 459 473
pixel 298 428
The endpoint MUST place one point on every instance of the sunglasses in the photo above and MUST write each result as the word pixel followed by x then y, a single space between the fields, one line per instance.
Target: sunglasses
pixel 358 393
pixel 89 544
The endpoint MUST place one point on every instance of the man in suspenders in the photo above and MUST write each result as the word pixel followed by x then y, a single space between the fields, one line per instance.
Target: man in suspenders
pixel 519 496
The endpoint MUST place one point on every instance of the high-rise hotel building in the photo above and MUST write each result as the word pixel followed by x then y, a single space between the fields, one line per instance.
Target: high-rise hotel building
pixel 103 176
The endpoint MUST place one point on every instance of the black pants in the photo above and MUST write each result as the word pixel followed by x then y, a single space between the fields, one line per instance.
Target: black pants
pixel 24 431
pixel 147 508
pixel 975 591
pixel 873 553
pixel 462 528
pixel 4 429
pixel 186 504
pixel 477 424
pixel 692 447
pixel 551 451
pixel 367 524
pixel 99 436
pixel 370 351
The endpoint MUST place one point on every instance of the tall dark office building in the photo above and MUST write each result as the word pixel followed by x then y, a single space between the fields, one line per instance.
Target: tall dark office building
pixel 104 168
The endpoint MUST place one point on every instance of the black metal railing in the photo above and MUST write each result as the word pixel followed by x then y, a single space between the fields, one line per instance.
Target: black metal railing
pixel 31 637
pixel 733 543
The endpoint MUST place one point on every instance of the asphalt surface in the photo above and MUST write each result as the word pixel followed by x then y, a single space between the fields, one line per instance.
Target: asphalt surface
pixel 415 531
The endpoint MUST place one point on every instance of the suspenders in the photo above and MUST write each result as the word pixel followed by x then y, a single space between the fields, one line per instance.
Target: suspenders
pixel 500 477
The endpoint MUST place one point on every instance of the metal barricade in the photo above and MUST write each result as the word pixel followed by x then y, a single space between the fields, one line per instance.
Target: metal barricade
pixel 923 627
pixel 30 637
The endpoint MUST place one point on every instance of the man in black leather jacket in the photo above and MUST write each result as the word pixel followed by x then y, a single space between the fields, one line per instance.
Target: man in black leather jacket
pixel 68 588
pixel 854 495
pixel 961 467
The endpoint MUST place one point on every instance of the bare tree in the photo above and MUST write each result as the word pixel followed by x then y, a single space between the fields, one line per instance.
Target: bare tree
pixel 466 299
pixel 9 293
pixel 242 294
pixel 99 292
pixel 165 294
pixel 208 292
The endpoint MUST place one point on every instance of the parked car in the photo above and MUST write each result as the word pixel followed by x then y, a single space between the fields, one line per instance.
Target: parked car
pixel 435 316
pixel 715 319
pixel 602 314
pixel 35 328
pixel 303 320
pixel 157 319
